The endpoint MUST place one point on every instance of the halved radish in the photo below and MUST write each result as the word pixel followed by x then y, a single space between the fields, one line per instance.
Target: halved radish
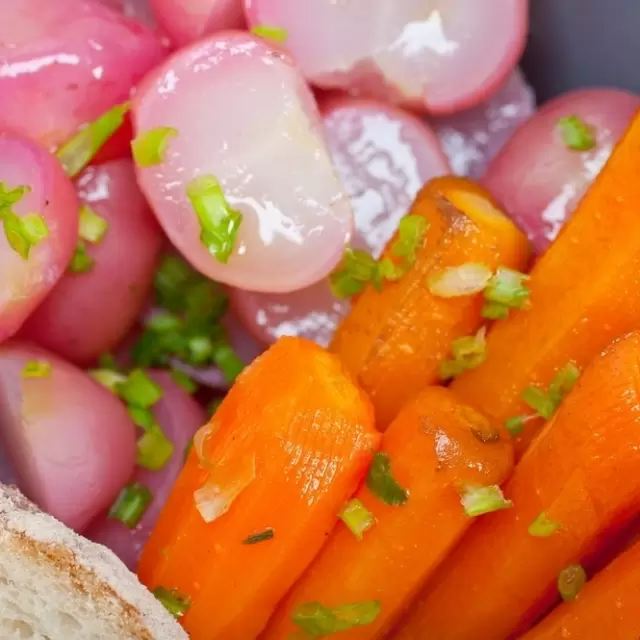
pixel 65 63
pixel 383 156
pixel 90 311
pixel 538 177
pixel 472 138
pixel 435 55
pixel 26 279
pixel 187 20
pixel 246 125
pixel 70 440
pixel 179 416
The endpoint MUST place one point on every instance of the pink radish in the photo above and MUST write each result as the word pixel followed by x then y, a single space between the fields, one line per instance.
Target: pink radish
pixel 90 312
pixel 187 20
pixel 71 441
pixel 383 156
pixel 62 64
pixel 179 416
pixel 243 121
pixel 441 56
pixel 25 281
pixel 472 138
pixel 538 178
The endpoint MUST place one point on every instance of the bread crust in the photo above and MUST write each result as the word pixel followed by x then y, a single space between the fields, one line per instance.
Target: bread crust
pixel 92 572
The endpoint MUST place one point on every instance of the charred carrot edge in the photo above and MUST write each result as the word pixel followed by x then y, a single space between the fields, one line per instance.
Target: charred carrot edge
pixel 435 447
pixel 608 606
pixel 288 445
pixel 394 340
pixel 584 292
pixel 568 491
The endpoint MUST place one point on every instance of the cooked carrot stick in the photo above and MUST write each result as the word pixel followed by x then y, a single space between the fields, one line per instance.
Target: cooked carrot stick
pixel 573 486
pixel 435 447
pixel 287 446
pixel 584 292
pixel 395 339
pixel 608 606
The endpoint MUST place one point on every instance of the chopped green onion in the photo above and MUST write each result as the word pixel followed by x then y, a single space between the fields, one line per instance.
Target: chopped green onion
pixel 576 133
pixel 514 425
pixel 356 269
pixel 357 517
pixel 141 417
pixel 545 403
pixel 259 536
pixel 570 580
pixel 463 280
pixel 81 261
pixel 139 390
pixel 149 147
pixel 219 223
pixel 200 349
pixel 543 526
pixel 183 380
pixel 153 449
pixel 9 196
pixel 506 287
pixel 78 151
pixel 381 482
pixel 494 311
pixel 411 231
pixel 23 233
pixel 318 620
pixel 91 226
pixel 269 32
pixel 173 601
pixel 108 378
pixel 36 369
pixel 477 500
pixel 131 503
pixel 228 362
pixel 468 352
pixel 163 321
pixel 107 361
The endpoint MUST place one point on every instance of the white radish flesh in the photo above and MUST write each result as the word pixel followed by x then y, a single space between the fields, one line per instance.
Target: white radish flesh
pixel 245 117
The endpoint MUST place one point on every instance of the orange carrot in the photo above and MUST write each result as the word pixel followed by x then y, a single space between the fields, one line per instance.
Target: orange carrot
pixel 584 292
pixel 395 339
pixel 608 606
pixel 573 486
pixel 287 446
pixel 435 447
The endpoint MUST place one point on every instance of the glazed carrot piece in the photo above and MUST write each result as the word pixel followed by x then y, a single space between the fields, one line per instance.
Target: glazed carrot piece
pixel 584 292
pixel 288 445
pixel 394 340
pixel 572 488
pixel 608 606
pixel 435 447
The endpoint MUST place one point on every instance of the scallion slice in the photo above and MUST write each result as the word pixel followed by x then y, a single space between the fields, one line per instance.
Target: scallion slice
pixel 92 227
pixel 139 390
pixel 173 601
pixel 153 449
pixel 357 517
pixel 23 233
pixel 131 503
pixel 318 620
pixel 219 223
pixel 356 269
pixel 81 261
pixel 543 526
pixel 183 380
pixel 477 500
pixel 570 580
pixel 576 133
pixel 36 369
pixel 468 352
pixel 228 362
pixel 78 151
pixel 381 482
pixel 260 536
pixel 270 32
pixel 149 147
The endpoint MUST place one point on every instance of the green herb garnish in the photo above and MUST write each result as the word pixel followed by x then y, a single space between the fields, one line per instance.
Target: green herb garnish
pixel 174 602
pixel 570 580
pixel 576 133
pixel 131 503
pixel 318 620
pixel 381 482
pixel 149 147
pixel 357 517
pixel 477 500
pixel 259 536
pixel 543 526
pixel 36 369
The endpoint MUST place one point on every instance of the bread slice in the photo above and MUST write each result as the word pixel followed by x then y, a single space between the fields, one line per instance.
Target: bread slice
pixel 55 585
